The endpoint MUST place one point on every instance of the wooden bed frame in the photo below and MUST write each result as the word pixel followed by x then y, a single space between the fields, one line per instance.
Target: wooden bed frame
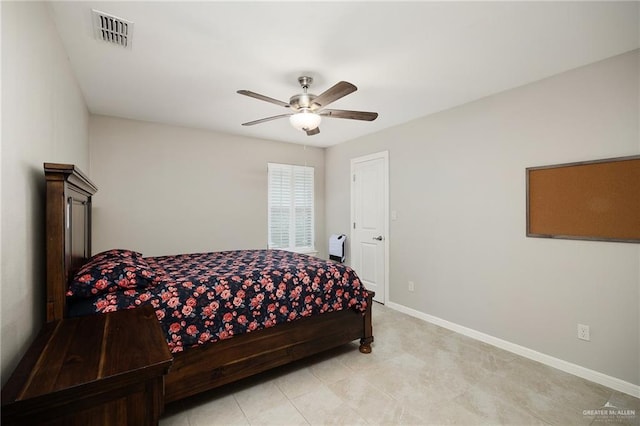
pixel 68 245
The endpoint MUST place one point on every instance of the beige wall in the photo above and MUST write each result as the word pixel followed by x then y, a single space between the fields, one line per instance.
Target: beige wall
pixel 457 182
pixel 44 119
pixel 167 190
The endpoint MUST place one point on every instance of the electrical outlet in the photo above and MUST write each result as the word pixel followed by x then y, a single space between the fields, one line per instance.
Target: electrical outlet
pixel 412 286
pixel 583 332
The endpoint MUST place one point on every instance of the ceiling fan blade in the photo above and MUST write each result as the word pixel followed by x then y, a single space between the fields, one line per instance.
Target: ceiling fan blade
pixel 313 131
pixel 263 98
pixel 351 115
pixel 334 93
pixel 264 120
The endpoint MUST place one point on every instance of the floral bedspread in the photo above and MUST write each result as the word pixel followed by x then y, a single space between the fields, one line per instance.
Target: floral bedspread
pixel 206 297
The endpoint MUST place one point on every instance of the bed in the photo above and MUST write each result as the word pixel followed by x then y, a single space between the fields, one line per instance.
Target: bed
pixel 239 347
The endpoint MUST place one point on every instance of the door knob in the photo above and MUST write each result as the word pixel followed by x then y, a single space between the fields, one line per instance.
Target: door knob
pixel 378 238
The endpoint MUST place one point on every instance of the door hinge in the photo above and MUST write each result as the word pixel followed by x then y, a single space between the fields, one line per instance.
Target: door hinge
pixel 354 225
pixel 354 178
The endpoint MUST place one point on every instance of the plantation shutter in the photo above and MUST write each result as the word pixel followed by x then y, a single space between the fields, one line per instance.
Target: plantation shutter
pixel 291 207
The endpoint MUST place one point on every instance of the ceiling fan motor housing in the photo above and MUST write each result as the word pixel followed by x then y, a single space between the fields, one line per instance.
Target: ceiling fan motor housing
pixel 302 101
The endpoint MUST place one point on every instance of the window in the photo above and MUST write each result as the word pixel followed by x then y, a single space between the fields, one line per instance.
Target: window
pixel 291 225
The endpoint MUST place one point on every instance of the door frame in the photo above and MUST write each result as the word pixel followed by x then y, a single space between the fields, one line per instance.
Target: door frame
pixel 378 155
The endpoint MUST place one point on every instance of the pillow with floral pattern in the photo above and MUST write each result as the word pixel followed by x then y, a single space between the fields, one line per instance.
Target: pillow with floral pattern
pixel 115 254
pixel 110 274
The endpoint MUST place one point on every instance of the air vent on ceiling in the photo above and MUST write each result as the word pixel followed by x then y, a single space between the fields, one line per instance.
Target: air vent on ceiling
pixel 112 29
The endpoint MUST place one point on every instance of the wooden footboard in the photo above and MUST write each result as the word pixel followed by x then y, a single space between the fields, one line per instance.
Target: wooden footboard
pixel 199 369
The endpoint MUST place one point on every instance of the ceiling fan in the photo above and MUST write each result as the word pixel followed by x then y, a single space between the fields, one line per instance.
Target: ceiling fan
pixel 308 109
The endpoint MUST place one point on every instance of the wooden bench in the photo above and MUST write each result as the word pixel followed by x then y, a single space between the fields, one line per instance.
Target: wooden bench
pixel 96 370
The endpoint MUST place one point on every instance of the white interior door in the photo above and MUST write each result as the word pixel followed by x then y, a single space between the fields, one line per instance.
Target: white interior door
pixel 369 221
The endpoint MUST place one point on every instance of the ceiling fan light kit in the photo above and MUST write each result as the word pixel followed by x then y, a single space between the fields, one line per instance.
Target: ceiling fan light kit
pixel 305 120
pixel 308 109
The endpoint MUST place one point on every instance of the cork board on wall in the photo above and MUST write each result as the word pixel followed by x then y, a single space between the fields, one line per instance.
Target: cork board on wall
pixel 591 200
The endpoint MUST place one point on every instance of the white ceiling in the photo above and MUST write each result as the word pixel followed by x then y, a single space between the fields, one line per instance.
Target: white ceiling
pixel 408 60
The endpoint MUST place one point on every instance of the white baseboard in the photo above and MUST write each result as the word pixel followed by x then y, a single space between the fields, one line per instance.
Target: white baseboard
pixel 576 370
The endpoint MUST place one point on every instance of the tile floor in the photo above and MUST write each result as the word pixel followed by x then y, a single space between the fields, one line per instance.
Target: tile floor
pixel 418 374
